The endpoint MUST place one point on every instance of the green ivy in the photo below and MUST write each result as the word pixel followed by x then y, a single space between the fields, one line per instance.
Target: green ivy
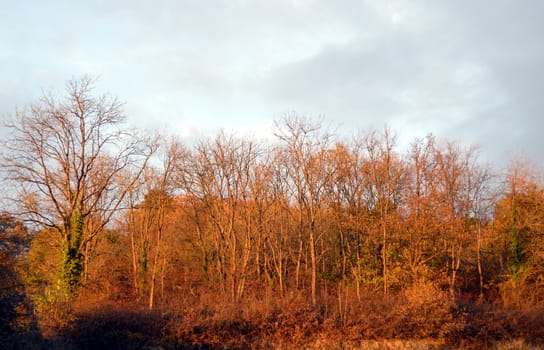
pixel 73 263
pixel 518 256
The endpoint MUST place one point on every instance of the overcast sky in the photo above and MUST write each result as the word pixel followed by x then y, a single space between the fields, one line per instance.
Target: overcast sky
pixel 471 71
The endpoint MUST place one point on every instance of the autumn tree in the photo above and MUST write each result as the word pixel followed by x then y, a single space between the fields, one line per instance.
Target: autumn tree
pixel 15 309
pixel 420 219
pixel 342 202
pixel 14 241
pixel 158 206
pixel 519 223
pixel 480 197
pixel 220 174
pixel 305 150
pixel 71 163
pixel 461 180
pixel 353 203
pixel 279 221
pixel 385 176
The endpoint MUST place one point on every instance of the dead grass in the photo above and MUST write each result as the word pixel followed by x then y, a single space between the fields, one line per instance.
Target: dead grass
pixel 326 344
pixel 518 344
pixel 422 317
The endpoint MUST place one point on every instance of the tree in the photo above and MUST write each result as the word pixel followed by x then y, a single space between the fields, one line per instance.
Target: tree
pixel 305 160
pixel 220 173
pixel 158 205
pixel 518 220
pixel 15 310
pixel 462 182
pixel 385 177
pixel 420 216
pixel 480 202
pixel 71 164
pixel 278 222
pixel 342 204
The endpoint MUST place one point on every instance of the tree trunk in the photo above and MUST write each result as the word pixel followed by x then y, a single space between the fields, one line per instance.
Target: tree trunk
pixel 73 259
pixel 134 259
pixel 299 258
pixel 154 272
pixel 384 260
pixel 314 267
pixel 479 261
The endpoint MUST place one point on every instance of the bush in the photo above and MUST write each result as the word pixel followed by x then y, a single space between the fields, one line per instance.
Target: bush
pixel 428 312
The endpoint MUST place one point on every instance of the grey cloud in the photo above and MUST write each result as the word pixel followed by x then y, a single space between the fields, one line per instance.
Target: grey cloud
pixel 467 70
pixel 506 39
pixel 380 83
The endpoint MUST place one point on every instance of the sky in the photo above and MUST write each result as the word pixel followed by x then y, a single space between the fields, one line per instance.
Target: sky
pixel 468 71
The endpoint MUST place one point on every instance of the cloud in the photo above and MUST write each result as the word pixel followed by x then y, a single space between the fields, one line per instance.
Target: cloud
pixel 465 72
pixel 469 71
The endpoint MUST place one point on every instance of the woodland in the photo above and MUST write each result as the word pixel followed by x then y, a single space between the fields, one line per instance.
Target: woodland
pixel 115 238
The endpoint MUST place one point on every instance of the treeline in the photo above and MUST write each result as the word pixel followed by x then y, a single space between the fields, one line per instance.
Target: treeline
pixel 313 214
pixel 334 221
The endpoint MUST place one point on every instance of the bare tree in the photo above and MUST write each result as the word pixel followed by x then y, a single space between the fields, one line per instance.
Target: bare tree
pixel 305 159
pixel 385 182
pixel 460 182
pixel 220 173
pixel 71 164
pixel 159 202
pixel 422 224
pixel 148 220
